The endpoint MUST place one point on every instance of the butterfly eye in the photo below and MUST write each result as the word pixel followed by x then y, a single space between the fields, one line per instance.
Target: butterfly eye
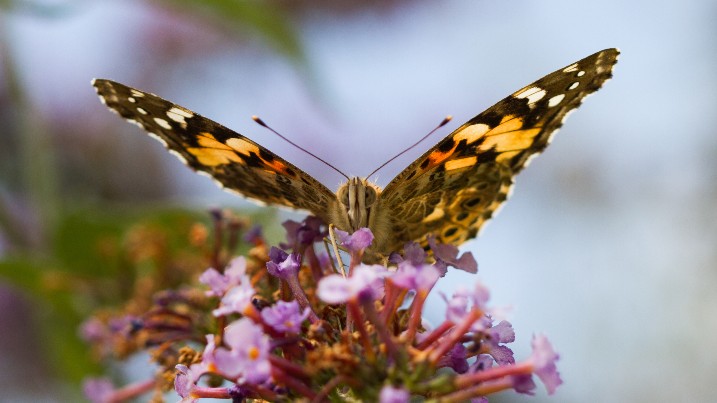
pixel 370 196
pixel 344 196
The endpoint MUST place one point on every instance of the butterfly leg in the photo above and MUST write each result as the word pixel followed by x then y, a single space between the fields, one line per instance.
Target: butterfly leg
pixel 332 240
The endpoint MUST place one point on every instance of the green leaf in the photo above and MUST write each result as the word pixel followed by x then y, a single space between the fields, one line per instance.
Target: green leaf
pixel 259 17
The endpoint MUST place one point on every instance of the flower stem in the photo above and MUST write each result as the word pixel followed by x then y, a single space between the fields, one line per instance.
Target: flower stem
pixel 292 383
pixel 383 333
pixel 524 368
pixel 211 393
pixel 483 389
pixel 353 308
pixel 300 296
pixel 414 319
pixel 132 390
pixel 435 334
pixel 455 336
pixel 314 264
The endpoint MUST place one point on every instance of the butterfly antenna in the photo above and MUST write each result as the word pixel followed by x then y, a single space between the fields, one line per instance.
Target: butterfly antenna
pixel 443 123
pixel 261 122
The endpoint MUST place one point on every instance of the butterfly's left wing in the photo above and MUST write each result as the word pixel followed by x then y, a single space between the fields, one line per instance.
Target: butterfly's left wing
pixel 456 186
pixel 233 160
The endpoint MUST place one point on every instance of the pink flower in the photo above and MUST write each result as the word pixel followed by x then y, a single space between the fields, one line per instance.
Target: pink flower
pixel 237 299
pixel 356 242
pixel 389 394
pixel 234 275
pixel 543 360
pixel 285 316
pixel 247 358
pixel 366 281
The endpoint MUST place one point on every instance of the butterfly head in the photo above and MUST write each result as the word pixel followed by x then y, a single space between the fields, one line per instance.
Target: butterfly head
pixel 358 197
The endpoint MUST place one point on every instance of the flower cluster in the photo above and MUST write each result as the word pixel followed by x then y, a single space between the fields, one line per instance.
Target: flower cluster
pixel 285 324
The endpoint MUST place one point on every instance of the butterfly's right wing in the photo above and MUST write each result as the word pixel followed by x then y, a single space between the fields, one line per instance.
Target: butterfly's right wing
pixel 234 161
pixel 456 186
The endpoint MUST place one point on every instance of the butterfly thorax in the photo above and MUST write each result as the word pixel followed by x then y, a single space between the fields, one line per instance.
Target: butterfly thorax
pixel 357 199
pixel 358 205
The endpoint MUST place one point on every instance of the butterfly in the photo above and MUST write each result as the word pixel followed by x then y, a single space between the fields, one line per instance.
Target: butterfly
pixel 449 192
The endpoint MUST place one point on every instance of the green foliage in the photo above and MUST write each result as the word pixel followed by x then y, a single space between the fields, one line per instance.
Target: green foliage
pixel 95 260
pixel 259 17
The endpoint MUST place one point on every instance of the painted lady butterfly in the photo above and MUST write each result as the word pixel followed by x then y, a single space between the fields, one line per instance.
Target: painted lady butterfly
pixel 450 191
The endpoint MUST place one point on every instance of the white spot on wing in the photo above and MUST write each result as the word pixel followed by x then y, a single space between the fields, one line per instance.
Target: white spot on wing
pixel 136 93
pixel 136 123
pixel 180 111
pixel 142 111
pixel 163 123
pixel 161 140
pixel 574 85
pixel 177 117
pixel 571 68
pixel 534 94
pixel 132 100
pixel 530 159
pixel 580 73
pixel 555 100
pixel 180 156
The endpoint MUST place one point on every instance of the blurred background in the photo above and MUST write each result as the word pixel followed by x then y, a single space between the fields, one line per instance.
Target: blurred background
pixel 608 244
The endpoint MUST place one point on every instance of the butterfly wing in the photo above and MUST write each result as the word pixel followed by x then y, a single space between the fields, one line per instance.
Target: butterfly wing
pixel 456 186
pixel 234 161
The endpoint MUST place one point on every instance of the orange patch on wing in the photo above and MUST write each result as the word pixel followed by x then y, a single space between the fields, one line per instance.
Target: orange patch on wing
pixel 506 155
pixel 277 167
pixel 471 133
pixel 461 163
pixel 243 146
pixel 513 140
pixel 437 157
pixel 436 214
pixel 213 152
pixel 509 123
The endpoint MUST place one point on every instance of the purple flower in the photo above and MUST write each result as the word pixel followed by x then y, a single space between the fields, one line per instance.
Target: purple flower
pixel 93 330
pixel 366 282
pixel 483 362
pixel 237 299
pixel 543 359
pixel 501 333
pixel 239 393
pixel 524 384
pixel 302 233
pixel 254 235
pixel 285 316
pixel 123 324
pixel 192 374
pixel 234 274
pixel 183 385
pixel 282 264
pixel 98 390
pixel 502 355
pixel 356 242
pixel 456 359
pixel 277 255
pixel 412 252
pixel 463 300
pixel 292 229
pixel 389 394
pixel 415 277
pixel 447 255
pixel 457 305
pixel 247 358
